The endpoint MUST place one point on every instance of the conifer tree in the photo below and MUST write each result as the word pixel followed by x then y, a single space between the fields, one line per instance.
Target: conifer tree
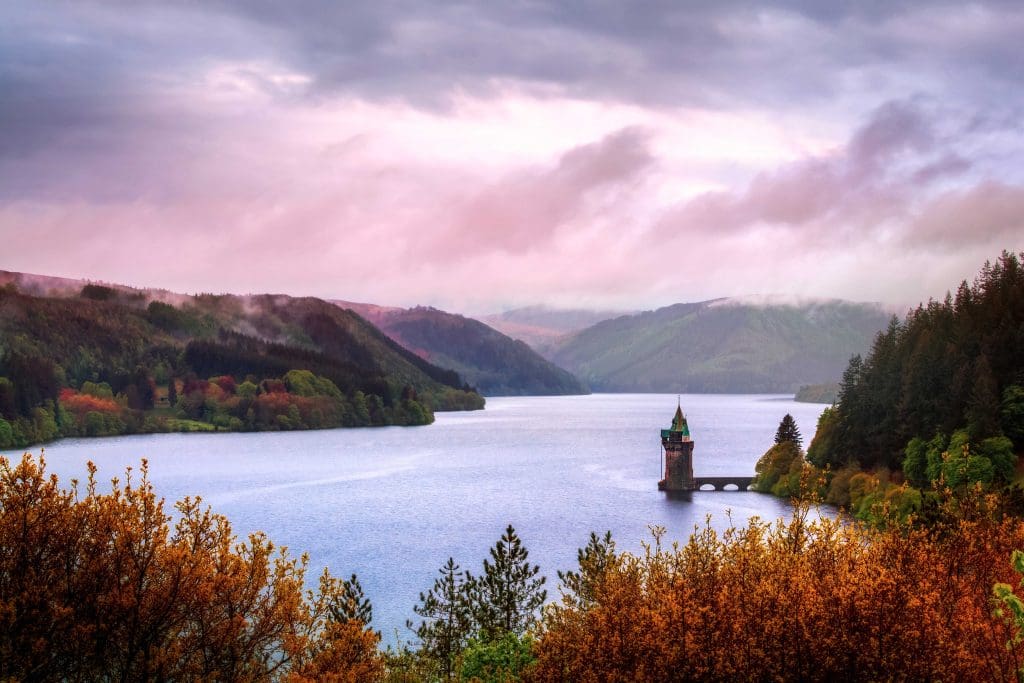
pixel 352 605
pixel 983 405
pixel 594 561
pixel 1011 414
pixel 447 618
pixel 509 594
pixel 788 431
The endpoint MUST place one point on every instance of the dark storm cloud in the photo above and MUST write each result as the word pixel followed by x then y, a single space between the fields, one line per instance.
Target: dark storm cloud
pixel 705 53
pixel 670 52
pixel 91 78
pixel 526 137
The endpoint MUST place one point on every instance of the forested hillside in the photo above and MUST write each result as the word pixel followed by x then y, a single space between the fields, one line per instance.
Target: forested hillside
pixel 111 360
pixel 940 395
pixel 722 346
pixel 492 362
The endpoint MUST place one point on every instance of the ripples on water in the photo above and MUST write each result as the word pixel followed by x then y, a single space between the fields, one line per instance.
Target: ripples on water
pixel 392 504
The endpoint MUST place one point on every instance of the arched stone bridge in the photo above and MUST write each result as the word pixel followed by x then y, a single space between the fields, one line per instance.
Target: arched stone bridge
pixel 722 483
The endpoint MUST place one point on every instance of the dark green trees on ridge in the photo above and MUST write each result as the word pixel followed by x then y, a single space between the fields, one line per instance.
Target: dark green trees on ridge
pixel 936 406
pixel 950 365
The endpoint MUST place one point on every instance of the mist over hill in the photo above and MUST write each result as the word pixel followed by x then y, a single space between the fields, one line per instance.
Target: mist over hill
pixel 494 363
pixel 722 345
pixel 85 359
pixel 544 328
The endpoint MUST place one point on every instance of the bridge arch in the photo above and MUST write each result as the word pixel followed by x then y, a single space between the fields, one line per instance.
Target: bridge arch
pixel 732 484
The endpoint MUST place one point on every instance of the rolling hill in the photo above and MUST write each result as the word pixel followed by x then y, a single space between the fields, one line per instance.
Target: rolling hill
pixel 722 346
pixel 135 360
pixel 490 361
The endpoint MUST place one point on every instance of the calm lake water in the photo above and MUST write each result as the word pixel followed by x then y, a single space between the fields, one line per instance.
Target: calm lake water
pixel 392 504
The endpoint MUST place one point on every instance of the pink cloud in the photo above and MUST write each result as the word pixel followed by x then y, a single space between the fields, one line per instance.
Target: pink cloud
pixel 990 212
pixel 324 202
pixel 525 210
pixel 853 193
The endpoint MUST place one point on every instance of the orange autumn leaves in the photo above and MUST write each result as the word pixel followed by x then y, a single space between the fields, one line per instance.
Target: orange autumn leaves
pixel 106 585
pixel 101 586
pixel 802 601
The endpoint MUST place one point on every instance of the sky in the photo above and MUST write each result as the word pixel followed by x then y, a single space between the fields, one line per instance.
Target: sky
pixel 479 156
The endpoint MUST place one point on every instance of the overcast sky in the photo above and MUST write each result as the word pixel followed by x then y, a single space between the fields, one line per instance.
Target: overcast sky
pixel 481 156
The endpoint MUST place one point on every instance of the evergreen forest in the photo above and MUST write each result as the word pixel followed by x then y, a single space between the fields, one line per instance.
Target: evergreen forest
pixel 938 402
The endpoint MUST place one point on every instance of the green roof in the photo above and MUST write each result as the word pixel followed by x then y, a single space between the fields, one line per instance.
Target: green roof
pixel 679 422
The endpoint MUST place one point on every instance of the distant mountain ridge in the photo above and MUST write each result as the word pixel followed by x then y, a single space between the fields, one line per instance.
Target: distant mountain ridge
pixel 722 346
pixel 300 322
pixel 544 328
pixel 494 363
pixel 751 344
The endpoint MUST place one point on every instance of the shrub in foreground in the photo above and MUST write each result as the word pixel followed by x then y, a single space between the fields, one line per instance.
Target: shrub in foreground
pixel 808 601
pixel 101 586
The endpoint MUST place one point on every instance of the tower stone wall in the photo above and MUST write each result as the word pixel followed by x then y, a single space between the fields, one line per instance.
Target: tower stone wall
pixel 678 466
pixel 678 455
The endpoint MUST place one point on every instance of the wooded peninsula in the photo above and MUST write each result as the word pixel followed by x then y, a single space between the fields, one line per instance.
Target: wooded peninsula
pixel 106 361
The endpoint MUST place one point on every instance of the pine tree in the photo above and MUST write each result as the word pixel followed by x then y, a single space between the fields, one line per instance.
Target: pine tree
pixel 788 431
pixel 594 561
pixel 1011 414
pixel 447 618
pixel 851 377
pixel 983 406
pixel 509 594
pixel 352 605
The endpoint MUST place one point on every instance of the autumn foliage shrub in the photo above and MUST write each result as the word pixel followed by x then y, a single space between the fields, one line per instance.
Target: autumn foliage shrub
pixel 810 601
pixel 102 586
pixel 80 404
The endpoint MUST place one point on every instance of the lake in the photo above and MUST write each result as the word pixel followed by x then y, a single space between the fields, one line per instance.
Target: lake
pixel 392 504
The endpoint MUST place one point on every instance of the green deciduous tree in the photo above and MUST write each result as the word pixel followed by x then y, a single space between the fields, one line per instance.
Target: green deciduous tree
pixel 1010 607
pixel 503 660
pixel 780 469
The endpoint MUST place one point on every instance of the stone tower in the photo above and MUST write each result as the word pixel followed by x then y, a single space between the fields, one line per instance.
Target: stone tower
pixel 678 455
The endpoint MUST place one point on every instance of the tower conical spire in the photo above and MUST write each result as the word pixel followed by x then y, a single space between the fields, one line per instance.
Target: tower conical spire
pixel 679 421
